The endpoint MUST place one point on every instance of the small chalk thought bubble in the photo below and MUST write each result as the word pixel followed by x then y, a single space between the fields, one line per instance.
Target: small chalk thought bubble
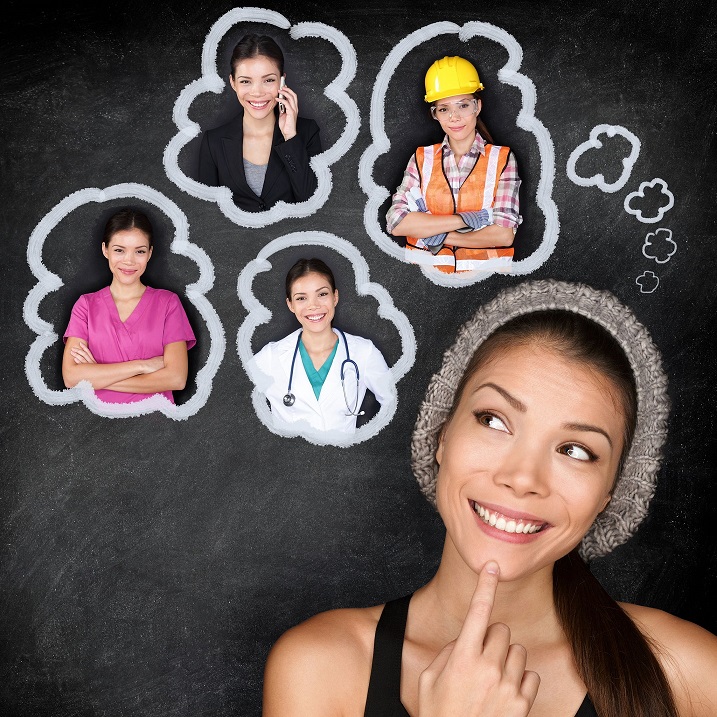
pixel 634 200
pixel 594 142
pixel 648 282
pixel 659 246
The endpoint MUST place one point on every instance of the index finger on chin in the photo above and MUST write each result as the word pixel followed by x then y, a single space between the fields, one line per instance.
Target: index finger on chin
pixel 478 617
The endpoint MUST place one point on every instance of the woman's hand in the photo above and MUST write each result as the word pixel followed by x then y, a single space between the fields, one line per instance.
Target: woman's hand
pixel 480 674
pixel 287 118
pixel 81 353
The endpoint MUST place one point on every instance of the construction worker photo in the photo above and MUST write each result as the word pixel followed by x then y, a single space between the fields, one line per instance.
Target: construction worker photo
pixel 458 203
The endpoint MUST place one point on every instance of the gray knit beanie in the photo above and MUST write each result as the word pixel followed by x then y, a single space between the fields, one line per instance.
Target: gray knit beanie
pixel 636 484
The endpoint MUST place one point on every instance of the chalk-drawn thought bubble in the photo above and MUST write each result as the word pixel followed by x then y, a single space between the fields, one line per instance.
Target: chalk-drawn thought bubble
pixel 48 282
pixel 526 120
pixel 594 142
pixel 210 81
pixel 659 246
pixel 635 200
pixel 648 282
pixel 260 314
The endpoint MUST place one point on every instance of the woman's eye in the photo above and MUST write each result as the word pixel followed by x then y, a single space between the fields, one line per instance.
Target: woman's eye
pixel 464 105
pixel 578 452
pixel 490 420
pixel 441 110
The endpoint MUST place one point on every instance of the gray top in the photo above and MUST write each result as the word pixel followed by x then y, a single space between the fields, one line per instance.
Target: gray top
pixel 254 174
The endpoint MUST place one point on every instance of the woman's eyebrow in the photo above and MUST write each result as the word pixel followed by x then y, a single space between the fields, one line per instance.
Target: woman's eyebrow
pixel 512 400
pixel 587 427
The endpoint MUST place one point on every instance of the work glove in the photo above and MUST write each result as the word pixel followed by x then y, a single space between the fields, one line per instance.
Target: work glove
pixel 477 220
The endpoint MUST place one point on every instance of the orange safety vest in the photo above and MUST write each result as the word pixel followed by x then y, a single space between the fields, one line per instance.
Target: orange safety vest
pixel 477 192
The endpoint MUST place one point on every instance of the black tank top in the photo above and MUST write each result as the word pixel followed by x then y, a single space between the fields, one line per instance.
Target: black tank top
pixel 384 689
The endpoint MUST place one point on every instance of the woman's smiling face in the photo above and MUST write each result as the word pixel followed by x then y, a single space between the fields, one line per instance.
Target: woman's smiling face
pixel 313 302
pixel 528 459
pixel 128 253
pixel 256 84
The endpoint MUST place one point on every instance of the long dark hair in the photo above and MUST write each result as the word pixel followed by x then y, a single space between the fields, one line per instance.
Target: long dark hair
pixel 308 266
pixel 126 219
pixel 253 45
pixel 615 661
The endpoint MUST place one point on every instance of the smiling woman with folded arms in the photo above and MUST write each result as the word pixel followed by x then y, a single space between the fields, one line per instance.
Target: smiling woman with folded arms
pixel 522 442
pixel 128 340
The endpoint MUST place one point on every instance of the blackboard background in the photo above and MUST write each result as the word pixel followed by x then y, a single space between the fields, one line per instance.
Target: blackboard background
pixel 147 565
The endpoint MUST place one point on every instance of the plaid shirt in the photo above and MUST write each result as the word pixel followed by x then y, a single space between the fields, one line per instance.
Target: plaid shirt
pixel 505 206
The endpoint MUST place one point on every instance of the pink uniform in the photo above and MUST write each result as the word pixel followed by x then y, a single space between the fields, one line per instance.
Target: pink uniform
pixel 157 320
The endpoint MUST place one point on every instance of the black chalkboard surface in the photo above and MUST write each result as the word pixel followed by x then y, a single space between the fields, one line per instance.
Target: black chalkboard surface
pixel 148 564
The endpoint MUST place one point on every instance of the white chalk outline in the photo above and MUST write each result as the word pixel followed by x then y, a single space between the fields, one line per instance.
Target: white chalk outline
pixel 641 193
pixel 210 81
pixel 48 282
pixel 598 180
pixel 645 275
pixel 668 239
pixel 525 120
pixel 260 314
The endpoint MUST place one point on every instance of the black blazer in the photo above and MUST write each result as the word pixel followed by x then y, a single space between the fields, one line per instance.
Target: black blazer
pixel 288 174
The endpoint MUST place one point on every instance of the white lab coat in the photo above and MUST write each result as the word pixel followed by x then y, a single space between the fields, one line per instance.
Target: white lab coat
pixel 328 412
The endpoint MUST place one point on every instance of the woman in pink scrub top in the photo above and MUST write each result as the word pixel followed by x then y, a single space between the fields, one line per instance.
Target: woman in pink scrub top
pixel 128 340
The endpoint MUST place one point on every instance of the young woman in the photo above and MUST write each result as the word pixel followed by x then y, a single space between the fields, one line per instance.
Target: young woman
pixel 128 340
pixel 522 441
pixel 319 374
pixel 457 205
pixel 263 154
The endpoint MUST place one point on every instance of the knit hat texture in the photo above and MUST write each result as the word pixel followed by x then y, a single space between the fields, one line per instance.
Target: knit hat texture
pixel 636 484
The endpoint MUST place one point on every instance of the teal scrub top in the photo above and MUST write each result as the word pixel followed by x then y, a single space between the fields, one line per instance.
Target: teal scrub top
pixel 316 378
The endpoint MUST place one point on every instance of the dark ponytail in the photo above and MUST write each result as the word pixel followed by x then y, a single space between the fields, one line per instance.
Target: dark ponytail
pixel 614 659
pixel 480 125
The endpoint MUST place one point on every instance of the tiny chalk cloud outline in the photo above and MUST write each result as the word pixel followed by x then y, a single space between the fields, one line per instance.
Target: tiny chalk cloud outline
pixel 665 235
pixel 640 194
pixel 49 282
pixel 210 81
pixel 259 314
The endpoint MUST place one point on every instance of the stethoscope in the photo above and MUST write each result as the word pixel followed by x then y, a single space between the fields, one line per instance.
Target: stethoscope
pixel 290 399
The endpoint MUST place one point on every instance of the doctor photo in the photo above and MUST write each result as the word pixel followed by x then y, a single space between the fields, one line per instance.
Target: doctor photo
pixel 319 374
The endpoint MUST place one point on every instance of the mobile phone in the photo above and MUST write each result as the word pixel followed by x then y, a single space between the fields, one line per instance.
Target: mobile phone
pixel 282 82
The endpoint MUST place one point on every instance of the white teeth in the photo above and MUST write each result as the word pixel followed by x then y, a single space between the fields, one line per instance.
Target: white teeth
pixel 507 525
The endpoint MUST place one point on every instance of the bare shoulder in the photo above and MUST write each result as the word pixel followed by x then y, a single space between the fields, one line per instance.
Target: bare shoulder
pixel 688 654
pixel 322 666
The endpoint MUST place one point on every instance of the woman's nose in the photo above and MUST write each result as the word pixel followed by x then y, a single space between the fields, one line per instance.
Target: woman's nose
pixel 524 472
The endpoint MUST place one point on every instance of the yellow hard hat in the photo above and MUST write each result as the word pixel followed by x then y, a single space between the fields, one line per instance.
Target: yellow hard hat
pixel 451 76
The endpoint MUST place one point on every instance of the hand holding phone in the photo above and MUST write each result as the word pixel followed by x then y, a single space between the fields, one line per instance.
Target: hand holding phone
pixel 282 82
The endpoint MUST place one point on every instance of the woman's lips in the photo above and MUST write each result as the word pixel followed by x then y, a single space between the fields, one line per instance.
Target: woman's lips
pixel 508 524
pixel 315 317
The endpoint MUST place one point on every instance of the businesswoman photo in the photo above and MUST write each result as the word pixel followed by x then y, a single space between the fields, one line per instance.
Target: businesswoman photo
pixel 523 445
pixel 262 154
pixel 128 340
pixel 457 204
pixel 320 374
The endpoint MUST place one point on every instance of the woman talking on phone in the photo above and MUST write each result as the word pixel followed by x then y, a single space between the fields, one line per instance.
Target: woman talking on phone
pixel 262 154
pixel 523 444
